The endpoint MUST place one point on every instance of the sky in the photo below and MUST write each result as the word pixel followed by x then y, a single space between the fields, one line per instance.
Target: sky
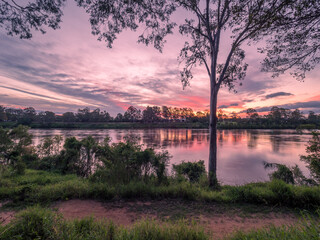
pixel 67 69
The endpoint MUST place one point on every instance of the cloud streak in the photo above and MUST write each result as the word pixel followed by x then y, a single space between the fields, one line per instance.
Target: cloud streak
pixel 68 69
pixel 278 94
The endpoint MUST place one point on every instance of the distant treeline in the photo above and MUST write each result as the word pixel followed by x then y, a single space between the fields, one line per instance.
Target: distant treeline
pixel 276 118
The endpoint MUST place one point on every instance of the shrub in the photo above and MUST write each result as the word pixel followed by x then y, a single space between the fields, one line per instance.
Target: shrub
pixel 191 170
pixel 126 161
pixel 32 223
pixel 20 167
pixel 282 172
pixel 283 192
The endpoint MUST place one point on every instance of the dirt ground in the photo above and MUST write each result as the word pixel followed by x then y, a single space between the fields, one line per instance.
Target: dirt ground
pixel 220 220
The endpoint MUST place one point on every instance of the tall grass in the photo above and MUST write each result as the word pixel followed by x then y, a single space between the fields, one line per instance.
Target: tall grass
pixel 40 187
pixel 307 229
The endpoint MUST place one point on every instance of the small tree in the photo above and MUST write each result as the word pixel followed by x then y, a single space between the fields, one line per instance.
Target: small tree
pixel 313 158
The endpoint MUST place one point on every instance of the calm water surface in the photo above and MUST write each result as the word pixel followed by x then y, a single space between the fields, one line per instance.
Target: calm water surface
pixel 241 153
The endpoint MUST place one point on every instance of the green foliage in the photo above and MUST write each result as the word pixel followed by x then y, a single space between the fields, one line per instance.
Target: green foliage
pixel 33 223
pixel 313 158
pixel 282 173
pixel 191 170
pixel 50 146
pixel 291 175
pixel 15 148
pixel 76 157
pixel 283 192
pixel 20 167
pixel 126 161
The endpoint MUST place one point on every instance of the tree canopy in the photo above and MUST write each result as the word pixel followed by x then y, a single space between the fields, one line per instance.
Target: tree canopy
pixel 20 19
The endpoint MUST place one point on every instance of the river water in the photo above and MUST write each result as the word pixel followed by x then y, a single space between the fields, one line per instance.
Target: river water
pixel 241 153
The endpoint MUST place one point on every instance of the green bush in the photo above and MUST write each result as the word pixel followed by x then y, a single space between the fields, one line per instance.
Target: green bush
pixel 191 170
pixel 283 192
pixel 32 223
pixel 124 162
pixel 20 167
pixel 282 172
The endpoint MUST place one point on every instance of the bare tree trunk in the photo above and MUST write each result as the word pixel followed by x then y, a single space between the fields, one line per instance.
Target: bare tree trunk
pixel 213 135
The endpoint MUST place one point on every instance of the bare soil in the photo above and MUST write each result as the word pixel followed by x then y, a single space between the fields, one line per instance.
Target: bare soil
pixel 218 219
pixel 5 215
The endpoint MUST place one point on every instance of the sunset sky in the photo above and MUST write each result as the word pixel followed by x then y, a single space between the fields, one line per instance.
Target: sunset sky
pixel 67 69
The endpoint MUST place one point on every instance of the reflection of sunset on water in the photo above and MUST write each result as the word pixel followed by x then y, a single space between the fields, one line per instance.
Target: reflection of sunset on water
pixel 241 153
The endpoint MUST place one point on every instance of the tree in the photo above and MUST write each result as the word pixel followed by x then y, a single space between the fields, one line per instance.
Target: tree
pixel 296 116
pixel 13 114
pixel 68 117
pixel 312 117
pixel 151 114
pixel 132 114
pixel 28 115
pixel 166 112
pixel 234 116
pixel 242 20
pixel 20 19
pixel 295 45
pixel 83 114
pixel 118 118
pixel 47 116
pixel 252 114
pixel 3 115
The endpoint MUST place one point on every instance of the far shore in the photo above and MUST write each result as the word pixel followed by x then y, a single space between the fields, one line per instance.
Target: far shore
pixel 154 125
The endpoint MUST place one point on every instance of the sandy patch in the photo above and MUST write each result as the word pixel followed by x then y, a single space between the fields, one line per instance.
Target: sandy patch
pixel 118 213
pixel 218 223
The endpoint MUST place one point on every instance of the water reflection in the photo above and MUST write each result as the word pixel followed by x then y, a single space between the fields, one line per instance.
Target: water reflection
pixel 241 153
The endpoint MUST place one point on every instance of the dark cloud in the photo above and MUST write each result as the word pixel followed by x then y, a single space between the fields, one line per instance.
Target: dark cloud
pixel 278 94
pixel 223 106
pixel 310 104
pixel 230 105
pixel 314 105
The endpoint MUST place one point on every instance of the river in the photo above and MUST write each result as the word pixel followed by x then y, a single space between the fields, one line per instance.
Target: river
pixel 241 153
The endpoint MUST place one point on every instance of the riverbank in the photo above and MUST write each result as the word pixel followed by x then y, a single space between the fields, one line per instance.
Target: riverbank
pixel 40 223
pixel 172 210
pixel 140 125
pixel 41 187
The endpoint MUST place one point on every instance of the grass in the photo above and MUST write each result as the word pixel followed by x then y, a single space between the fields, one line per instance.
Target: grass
pixel 39 223
pixel 40 187
pixel 308 228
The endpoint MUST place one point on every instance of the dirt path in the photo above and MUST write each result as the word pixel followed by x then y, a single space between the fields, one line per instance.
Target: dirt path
pixel 218 219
